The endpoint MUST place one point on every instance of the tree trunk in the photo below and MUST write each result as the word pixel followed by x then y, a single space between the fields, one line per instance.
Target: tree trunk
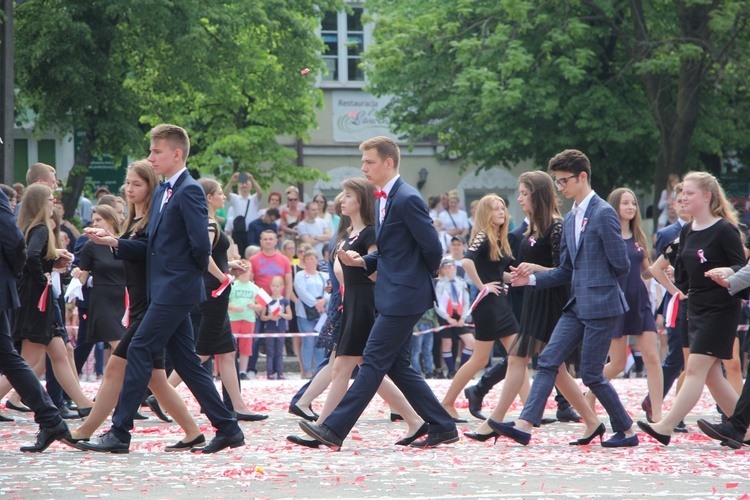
pixel 77 176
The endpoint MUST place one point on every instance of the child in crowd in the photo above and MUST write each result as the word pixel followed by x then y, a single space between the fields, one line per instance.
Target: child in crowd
pixel 274 318
pixel 242 310
pixel 422 342
pixel 452 308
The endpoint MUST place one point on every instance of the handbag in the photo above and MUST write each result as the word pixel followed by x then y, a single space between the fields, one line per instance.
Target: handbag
pixel 311 313
pixel 239 229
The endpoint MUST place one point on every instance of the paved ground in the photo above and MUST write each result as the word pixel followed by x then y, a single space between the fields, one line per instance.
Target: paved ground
pixel 370 466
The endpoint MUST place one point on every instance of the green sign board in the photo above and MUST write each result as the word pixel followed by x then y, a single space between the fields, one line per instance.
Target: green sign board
pixel 104 170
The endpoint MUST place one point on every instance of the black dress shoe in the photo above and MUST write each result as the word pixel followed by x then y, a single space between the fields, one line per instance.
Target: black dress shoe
pixel 568 415
pixel 422 431
pixel 249 417
pixel 322 433
pixel 475 402
pixel 183 446
pixel 309 443
pixel 546 421
pixel 108 443
pixel 296 410
pixel 724 433
pixel 646 427
pixel 84 412
pixel 681 427
pixel 11 406
pixel 73 442
pixel 46 436
pixel 67 413
pixel 437 439
pixel 4 418
pixel 395 417
pixel 475 436
pixel 219 443
pixel 156 408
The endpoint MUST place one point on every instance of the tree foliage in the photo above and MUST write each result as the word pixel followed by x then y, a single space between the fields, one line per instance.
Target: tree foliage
pixel 228 71
pixel 641 87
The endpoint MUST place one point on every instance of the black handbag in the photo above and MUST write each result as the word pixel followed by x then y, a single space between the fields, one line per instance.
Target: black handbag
pixel 311 313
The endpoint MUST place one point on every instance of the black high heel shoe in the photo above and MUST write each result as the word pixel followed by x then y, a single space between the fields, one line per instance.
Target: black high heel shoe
pixel 476 436
pixel 587 440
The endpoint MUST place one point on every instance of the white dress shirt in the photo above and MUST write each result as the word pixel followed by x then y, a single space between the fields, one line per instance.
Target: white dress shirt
pixel 172 180
pixel 382 201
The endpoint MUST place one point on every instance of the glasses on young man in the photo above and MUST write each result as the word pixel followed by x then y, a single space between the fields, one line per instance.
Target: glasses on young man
pixel 561 183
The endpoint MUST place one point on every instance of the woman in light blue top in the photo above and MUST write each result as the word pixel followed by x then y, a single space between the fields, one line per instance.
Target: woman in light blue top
pixel 309 286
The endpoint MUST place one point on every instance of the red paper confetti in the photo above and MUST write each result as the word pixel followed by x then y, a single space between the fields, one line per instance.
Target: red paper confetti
pixel 305 71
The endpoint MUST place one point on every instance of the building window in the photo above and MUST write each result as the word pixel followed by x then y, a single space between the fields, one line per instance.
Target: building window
pixel 344 36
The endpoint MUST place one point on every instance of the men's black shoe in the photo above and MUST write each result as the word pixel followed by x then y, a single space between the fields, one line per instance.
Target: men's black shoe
pixel 67 413
pixel 219 443
pixel 322 433
pixel 451 374
pixel 475 402
pixel 434 440
pixel 46 436
pixel 681 427
pixel 725 433
pixel 546 421
pixel 108 443
pixel 568 415
pixel 156 408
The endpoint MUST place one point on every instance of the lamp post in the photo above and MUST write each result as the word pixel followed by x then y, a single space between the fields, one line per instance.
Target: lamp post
pixel 423 173
pixel 7 85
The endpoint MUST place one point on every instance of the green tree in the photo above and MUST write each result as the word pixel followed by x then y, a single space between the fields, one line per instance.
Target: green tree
pixel 229 72
pixel 497 82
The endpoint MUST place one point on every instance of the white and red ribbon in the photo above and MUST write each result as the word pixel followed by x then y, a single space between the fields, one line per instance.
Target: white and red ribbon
pixel 126 317
pixel 228 279
pixel 42 304
pixel 673 308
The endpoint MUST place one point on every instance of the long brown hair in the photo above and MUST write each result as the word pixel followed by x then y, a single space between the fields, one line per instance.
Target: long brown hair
pixel 344 220
pixel 636 227
pixel 144 170
pixel 543 201
pixel 497 237
pixel 719 205
pixel 108 214
pixel 363 190
pixel 34 213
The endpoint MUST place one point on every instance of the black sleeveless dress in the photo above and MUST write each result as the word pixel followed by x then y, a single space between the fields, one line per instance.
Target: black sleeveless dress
pixel 107 303
pixel 359 298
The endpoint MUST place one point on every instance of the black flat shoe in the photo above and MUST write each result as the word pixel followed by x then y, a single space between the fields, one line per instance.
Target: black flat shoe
pixel 68 414
pixel 475 402
pixel 309 443
pixel 422 431
pixel 183 446
pixel 153 404
pixel 108 443
pixel 219 443
pixel 459 420
pixel 46 436
pixel 395 417
pixel 84 412
pixel 587 440
pixel 4 418
pixel 434 440
pixel 73 442
pixel 249 417
pixel 299 412
pixel 475 436
pixel 646 427
pixel 11 406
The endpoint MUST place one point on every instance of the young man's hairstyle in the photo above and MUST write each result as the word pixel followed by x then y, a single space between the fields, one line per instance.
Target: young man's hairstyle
pixel 37 172
pixel 573 161
pixel 273 212
pixel 176 136
pixel 386 148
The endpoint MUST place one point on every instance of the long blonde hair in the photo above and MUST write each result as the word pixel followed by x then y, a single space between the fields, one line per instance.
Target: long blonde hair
pixel 144 170
pixel 498 237
pixel 719 205
pixel 636 227
pixel 34 213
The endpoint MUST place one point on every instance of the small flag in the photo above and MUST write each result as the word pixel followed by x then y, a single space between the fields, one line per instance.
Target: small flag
pixel 262 298
pixel 274 308
pixel 673 308
pixel 479 298
pixel 42 304
pixel 126 316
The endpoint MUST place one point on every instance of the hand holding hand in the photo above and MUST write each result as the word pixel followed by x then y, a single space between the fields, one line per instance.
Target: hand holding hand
pixel 523 269
pixel 516 280
pixel 100 236
pixel 351 258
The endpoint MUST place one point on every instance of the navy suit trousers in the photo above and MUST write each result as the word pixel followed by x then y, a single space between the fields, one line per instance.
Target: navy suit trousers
pixel 168 327
pixel 388 353
pixel 595 337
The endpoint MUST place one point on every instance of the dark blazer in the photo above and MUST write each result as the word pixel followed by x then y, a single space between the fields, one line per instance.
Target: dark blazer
pixel 592 268
pixel 410 242
pixel 12 255
pixel 180 232
pixel 665 236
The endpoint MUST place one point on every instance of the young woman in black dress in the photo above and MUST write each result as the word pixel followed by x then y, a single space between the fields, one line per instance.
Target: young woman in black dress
pixel 542 308
pixel 358 203
pixel 140 183
pixel 712 240
pixel 33 322
pixel 107 307
pixel 214 336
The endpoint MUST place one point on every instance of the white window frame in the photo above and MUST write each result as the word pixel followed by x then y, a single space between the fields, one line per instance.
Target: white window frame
pixel 342 58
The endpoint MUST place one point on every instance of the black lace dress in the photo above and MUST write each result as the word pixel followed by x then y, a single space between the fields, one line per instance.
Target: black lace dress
pixel 493 316
pixel 541 308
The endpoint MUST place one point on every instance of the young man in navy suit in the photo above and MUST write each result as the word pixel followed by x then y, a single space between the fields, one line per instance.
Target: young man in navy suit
pixel 592 256
pixel 408 255
pixel 176 255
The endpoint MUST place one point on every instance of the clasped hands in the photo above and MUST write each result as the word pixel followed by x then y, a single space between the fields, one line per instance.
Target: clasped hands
pixel 720 275
pixel 519 276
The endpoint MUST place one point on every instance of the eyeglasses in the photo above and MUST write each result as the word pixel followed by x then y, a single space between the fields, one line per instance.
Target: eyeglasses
pixel 292 199
pixel 561 183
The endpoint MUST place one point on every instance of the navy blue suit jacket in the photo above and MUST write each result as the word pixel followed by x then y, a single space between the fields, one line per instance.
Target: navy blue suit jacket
pixel 178 246
pixel 665 236
pixel 408 254
pixel 592 267
pixel 12 255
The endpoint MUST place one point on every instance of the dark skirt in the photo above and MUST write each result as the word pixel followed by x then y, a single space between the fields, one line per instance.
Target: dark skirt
pixel 493 318
pixel 29 323
pixel 215 331
pixel 541 311
pixel 712 330
pixel 121 351
pixel 357 319
pixel 106 310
